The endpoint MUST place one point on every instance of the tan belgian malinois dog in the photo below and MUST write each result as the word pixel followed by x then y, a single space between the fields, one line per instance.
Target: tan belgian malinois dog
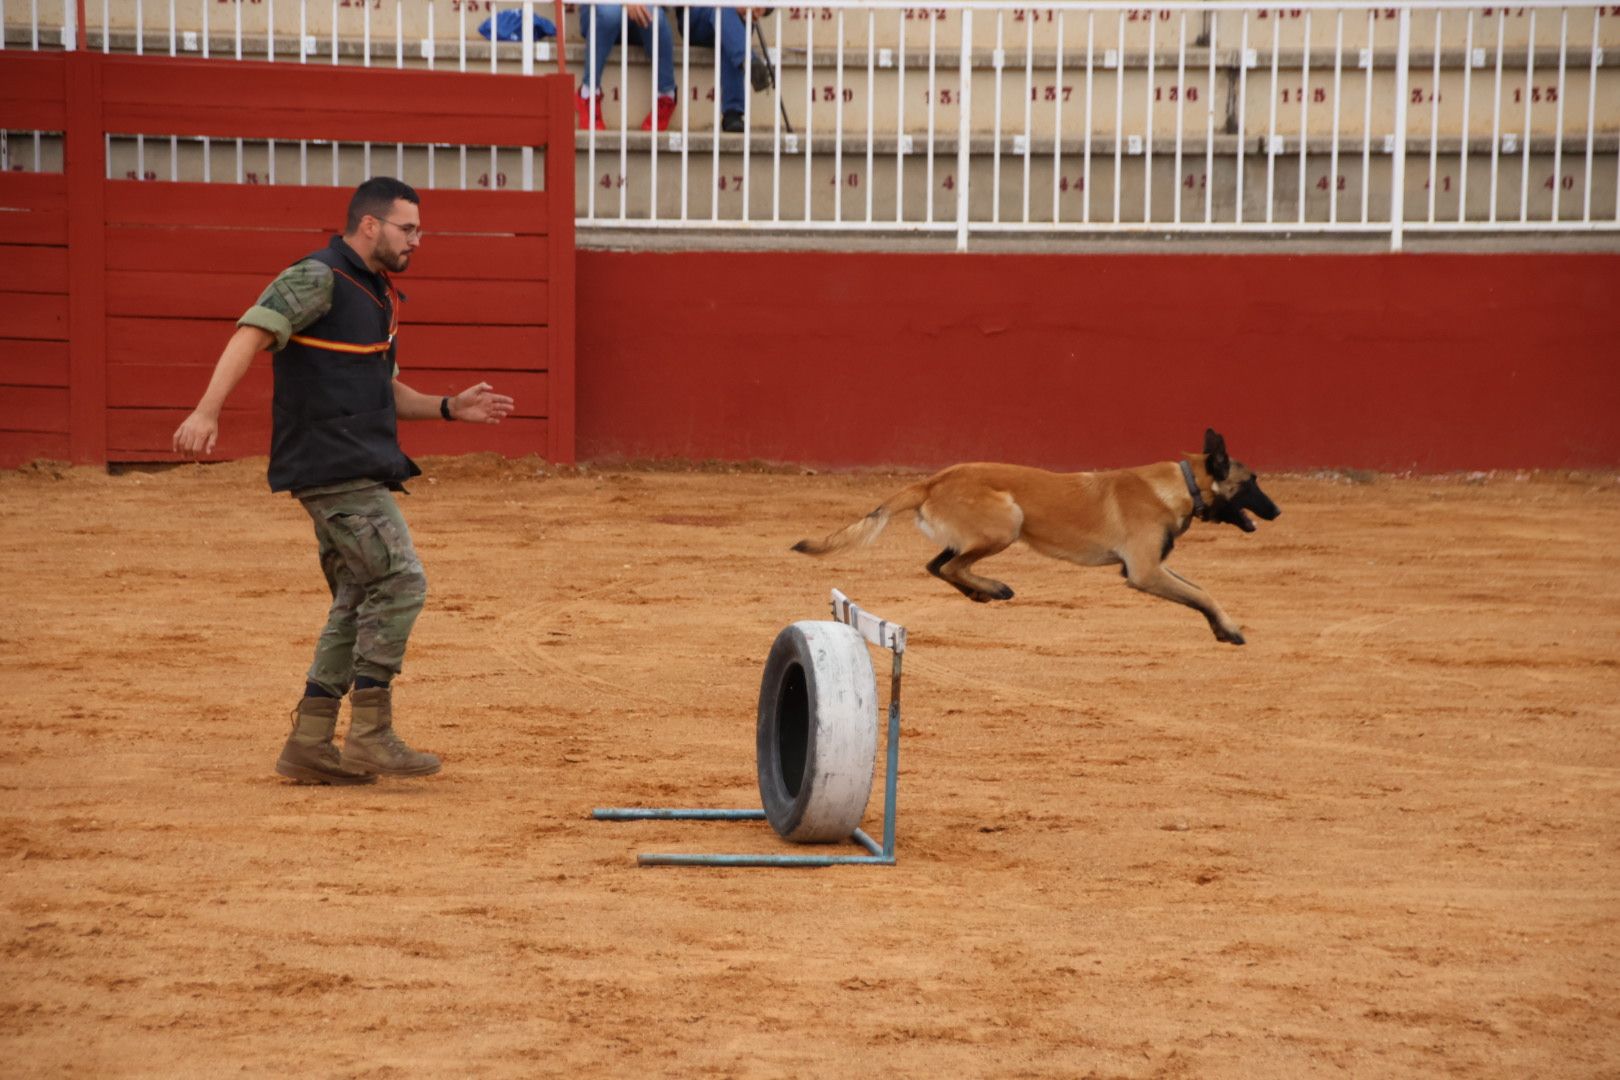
pixel 1126 516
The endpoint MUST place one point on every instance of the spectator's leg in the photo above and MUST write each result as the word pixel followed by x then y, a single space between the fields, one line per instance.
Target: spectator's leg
pixel 599 27
pixel 664 60
pixel 733 48
pixel 662 55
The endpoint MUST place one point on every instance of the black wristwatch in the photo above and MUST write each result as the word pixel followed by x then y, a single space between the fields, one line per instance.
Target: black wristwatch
pixel 444 408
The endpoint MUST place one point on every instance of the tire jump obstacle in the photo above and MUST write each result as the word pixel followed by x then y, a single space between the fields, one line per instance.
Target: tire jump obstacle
pixel 816 744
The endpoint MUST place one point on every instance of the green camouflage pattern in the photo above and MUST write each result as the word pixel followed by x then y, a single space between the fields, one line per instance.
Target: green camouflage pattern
pixel 299 296
pixel 376 581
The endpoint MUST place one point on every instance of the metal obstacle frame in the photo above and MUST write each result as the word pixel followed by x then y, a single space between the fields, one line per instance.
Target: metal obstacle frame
pixel 876 631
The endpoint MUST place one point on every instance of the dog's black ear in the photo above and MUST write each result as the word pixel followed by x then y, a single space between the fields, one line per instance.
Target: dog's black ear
pixel 1215 451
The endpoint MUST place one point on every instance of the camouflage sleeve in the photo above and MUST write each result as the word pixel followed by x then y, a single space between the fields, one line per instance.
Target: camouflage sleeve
pixel 299 296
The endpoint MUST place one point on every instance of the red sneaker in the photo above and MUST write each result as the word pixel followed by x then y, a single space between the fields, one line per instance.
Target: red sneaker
pixel 665 109
pixel 588 111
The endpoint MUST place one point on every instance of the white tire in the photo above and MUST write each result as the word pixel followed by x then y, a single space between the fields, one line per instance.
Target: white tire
pixel 817 735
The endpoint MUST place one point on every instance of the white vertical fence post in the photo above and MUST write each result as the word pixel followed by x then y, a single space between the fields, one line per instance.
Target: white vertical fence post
pixel 964 132
pixel 1397 165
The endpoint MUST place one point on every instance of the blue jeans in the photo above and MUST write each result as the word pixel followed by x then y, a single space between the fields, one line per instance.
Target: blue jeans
pixel 733 48
pixel 600 45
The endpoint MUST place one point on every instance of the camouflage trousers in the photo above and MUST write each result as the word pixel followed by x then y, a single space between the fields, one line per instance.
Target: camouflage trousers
pixel 377 586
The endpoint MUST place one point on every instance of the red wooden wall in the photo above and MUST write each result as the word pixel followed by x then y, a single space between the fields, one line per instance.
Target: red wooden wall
pixel 116 296
pixel 1432 362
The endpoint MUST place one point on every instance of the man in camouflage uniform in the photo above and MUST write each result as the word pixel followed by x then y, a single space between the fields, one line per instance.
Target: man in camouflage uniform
pixel 331 319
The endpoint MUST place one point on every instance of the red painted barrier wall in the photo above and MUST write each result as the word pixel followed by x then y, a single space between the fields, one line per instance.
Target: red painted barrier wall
pixel 1428 362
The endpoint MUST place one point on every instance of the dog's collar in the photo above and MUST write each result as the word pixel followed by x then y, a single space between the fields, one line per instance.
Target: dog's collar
pixel 1199 510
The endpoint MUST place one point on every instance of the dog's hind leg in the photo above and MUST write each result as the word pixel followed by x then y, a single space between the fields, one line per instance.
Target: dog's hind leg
pixel 1146 573
pixel 956 568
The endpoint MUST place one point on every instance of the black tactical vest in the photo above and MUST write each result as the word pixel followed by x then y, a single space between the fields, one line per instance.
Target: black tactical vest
pixel 332 418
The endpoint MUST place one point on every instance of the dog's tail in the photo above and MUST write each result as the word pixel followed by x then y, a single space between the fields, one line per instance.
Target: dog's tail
pixel 867 528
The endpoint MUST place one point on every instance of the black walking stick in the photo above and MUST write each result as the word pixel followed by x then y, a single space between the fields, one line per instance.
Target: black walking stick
pixel 764 76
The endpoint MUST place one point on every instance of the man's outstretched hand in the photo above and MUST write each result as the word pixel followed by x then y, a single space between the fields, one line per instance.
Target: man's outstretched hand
pixel 480 405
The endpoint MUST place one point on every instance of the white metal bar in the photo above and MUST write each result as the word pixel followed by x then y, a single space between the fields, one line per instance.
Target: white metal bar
pixel 432 59
pixel 1209 133
pixel 237 10
pixel 1468 86
pixel 1029 104
pixel 1242 105
pixel 1397 168
pixel 933 109
pixel 658 24
pixel 998 63
pixel 461 65
pixel 1271 118
pixel 1147 137
pixel 526 66
pixel 1181 113
pixel 140 26
pixel 809 106
pixel 900 126
pixel 623 179
pixel 871 97
pixel 1304 115
pixel 686 110
pixel 714 188
pixel 1338 86
pixel 1057 125
pixel 1258 228
pixel 1591 126
pixel 1086 144
pixel 1366 126
pixel 1119 113
pixel 1434 116
pixel 270 30
pixel 964 102
pixel 1496 110
pixel 1558 124
pixel 776 129
pixel 838 125
pixel 748 113
pixel 1529 95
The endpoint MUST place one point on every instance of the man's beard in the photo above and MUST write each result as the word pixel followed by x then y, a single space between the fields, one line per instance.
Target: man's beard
pixel 395 261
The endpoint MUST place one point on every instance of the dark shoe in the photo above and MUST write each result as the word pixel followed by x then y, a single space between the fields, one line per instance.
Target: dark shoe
pixel 732 121
pixel 372 746
pixel 309 756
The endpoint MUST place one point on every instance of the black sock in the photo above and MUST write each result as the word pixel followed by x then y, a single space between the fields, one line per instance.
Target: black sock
pixel 362 682
pixel 312 690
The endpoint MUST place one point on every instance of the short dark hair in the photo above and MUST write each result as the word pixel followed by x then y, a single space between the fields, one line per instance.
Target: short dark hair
pixel 376 197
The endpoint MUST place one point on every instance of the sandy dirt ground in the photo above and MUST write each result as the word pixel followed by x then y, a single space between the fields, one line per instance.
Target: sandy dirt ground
pixel 1380 840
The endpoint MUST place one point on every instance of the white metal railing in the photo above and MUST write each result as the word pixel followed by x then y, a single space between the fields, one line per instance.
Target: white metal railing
pixel 990 118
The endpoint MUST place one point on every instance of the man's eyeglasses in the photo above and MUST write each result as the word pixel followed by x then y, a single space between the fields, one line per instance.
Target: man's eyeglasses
pixel 410 231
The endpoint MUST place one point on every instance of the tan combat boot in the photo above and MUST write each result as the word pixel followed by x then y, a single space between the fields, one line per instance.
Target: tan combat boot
pixel 372 744
pixel 309 756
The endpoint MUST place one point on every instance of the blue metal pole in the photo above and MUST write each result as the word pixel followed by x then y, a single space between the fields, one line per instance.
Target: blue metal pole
pixel 764 860
pixel 610 813
pixel 891 781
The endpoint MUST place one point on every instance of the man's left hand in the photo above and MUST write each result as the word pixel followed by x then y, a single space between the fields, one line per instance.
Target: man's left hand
pixel 480 405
